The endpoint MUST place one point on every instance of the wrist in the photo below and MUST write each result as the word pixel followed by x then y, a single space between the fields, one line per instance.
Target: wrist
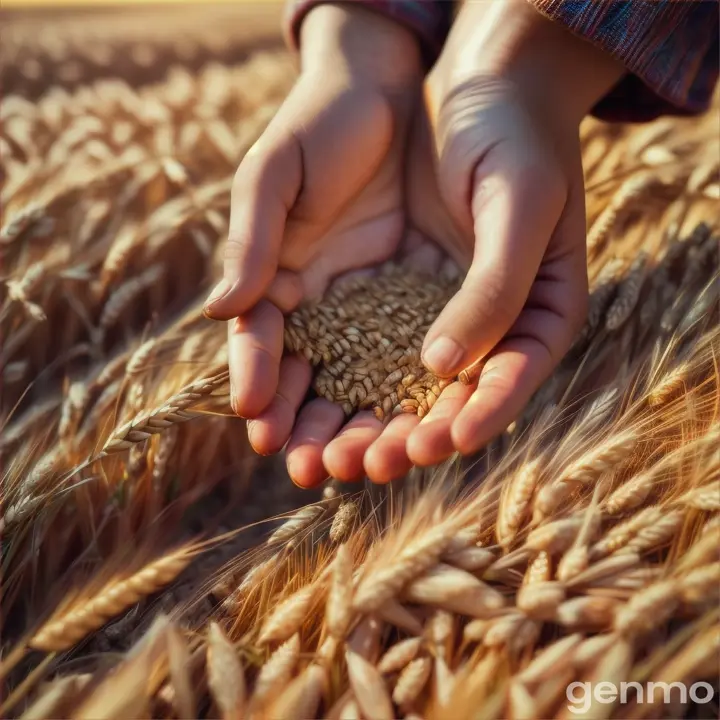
pixel 560 75
pixel 361 45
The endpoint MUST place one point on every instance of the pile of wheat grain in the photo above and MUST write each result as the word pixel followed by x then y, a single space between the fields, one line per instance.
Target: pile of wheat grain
pixel 582 545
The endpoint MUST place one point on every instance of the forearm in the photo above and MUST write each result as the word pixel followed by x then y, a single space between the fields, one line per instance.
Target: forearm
pixel 360 44
pixel 556 71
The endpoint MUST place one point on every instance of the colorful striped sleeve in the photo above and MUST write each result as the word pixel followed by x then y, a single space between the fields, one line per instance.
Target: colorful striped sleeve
pixel 670 48
pixel 428 19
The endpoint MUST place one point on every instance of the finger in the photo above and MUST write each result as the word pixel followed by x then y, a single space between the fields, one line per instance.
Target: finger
pixel 512 224
pixel 430 442
pixel 255 345
pixel 343 457
pixel 511 375
pixel 316 426
pixel 386 459
pixel 271 430
pixel 285 291
pixel 265 187
pixel 533 348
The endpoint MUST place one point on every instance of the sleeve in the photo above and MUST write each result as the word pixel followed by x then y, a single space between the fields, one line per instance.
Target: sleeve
pixel 669 47
pixel 428 19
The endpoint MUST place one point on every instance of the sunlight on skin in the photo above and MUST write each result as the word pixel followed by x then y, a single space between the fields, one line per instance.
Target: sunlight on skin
pixel 343 457
pixel 430 442
pixel 257 339
pixel 271 430
pixel 386 459
pixel 317 424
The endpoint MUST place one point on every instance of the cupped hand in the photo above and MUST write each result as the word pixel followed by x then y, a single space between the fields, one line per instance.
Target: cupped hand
pixel 505 104
pixel 505 101
pixel 320 445
pixel 318 195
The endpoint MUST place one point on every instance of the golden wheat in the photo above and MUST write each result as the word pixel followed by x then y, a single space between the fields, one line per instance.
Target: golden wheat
pixel 582 546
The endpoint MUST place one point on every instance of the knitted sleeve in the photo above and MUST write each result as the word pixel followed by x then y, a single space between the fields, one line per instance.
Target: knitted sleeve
pixel 670 48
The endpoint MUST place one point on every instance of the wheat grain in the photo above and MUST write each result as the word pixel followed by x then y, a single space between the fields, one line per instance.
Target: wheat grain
pixel 453 589
pixel 516 632
pixel 514 505
pixel 419 555
pixel 620 535
pixel 647 609
pixel 369 687
pixel 288 616
pixel 540 600
pixel 226 677
pixel 585 613
pixel 706 497
pixel 702 584
pixel 343 522
pixel 573 562
pixel 539 570
pixel 119 301
pixel 338 612
pixel 179 661
pixel 551 660
pixel 555 537
pixel 294 525
pixel 399 655
pixel 605 457
pixel 394 613
pixel 276 671
pixel 412 681
pixel 301 697
pixel 669 387
pixel 652 537
pixel 472 559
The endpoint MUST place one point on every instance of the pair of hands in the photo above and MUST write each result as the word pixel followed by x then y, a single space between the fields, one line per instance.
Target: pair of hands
pixel 355 168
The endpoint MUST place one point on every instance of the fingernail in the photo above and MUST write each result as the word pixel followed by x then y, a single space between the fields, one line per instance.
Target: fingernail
pixel 218 293
pixel 443 356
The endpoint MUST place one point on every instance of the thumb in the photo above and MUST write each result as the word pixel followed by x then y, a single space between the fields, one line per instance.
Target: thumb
pixel 512 225
pixel 264 190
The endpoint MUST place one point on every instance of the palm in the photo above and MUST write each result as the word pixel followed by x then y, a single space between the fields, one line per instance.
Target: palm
pixel 328 233
pixel 320 444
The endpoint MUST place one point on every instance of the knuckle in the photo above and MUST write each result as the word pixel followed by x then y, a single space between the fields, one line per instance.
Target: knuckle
pixel 493 296
pixel 236 247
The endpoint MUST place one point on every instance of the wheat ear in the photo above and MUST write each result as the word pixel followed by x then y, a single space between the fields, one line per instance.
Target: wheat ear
pixel 63 632
pixel 287 617
pixel 369 687
pixel 338 611
pixel 174 410
pixel 226 678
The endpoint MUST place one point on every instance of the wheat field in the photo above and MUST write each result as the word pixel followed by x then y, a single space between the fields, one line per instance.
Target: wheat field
pixel 152 566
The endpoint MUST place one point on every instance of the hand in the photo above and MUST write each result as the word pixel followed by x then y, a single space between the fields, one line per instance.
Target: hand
pixel 319 194
pixel 506 99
